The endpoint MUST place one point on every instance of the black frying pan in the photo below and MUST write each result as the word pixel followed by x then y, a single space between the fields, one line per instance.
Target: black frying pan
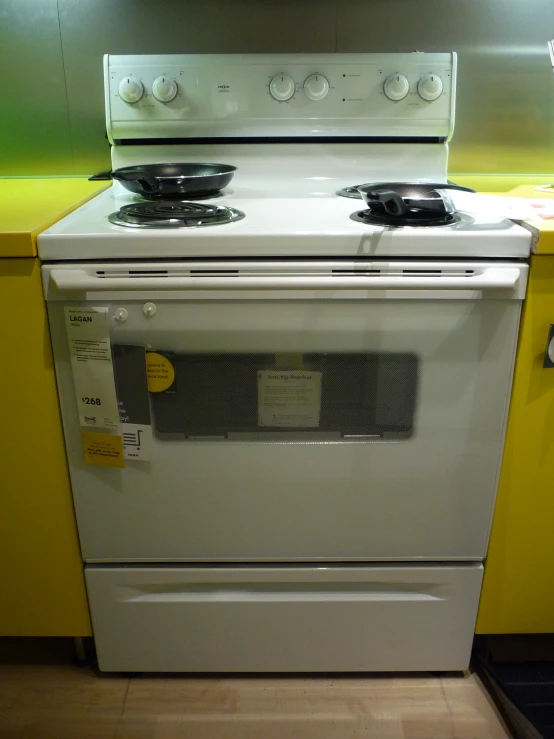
pixel 398 197
pixel 173 181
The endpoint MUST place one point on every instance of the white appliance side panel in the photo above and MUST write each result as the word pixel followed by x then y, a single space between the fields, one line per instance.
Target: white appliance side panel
pixel 428 497
pixel 284 620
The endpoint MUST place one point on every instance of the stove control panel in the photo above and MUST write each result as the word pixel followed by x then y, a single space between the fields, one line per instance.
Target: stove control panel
pixel 204 96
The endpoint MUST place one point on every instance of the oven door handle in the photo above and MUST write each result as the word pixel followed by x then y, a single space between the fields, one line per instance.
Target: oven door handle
pixel 491 278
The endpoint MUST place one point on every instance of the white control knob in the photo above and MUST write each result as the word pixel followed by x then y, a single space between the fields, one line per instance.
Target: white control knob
pixel 396 87
pixel 164 89
pixel 130 90
pixel 430 87
pixel 282 87
pixel 316 87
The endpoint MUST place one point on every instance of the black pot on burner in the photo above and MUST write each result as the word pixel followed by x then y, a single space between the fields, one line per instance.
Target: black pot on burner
pixel 407 203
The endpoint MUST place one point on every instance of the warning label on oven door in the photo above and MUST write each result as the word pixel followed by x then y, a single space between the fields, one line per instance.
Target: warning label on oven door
pixel 88 333
pixel 289 398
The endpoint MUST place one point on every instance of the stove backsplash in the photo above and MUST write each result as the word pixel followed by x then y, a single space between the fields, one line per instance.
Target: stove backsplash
pixel 53 49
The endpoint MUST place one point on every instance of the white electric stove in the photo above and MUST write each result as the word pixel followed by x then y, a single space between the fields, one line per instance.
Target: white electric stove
pixel 284 432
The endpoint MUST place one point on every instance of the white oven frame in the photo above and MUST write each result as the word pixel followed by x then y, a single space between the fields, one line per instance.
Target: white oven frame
pixel 343 613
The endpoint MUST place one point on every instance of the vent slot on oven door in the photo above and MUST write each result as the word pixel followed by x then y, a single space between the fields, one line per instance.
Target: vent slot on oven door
pixel 331 396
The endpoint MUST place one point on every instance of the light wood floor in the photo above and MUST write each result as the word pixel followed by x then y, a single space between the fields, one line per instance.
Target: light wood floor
pixel 66 702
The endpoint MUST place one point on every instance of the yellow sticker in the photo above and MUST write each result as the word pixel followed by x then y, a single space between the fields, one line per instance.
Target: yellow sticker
pixel 103 450
pixel 159 371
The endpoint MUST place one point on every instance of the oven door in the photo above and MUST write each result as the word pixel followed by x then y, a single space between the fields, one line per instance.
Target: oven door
pixel 316 412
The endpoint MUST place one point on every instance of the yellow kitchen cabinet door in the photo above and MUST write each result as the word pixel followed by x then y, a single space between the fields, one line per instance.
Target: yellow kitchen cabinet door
pixel 43 591
pixel 518 588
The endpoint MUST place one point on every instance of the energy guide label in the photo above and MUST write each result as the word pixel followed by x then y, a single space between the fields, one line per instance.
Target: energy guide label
pixel 88 333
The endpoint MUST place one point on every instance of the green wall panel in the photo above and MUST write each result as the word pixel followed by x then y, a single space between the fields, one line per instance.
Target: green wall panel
pixel 34 122
pixel 505 101
pixel 52 120
pixel 91 28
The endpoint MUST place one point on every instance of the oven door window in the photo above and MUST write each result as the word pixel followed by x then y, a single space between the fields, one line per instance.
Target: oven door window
pixel 265 397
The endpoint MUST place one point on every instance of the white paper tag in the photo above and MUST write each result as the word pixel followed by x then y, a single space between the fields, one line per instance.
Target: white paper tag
pixel 88 333
pixel 289 398
pixel 137 441
pixel 132 398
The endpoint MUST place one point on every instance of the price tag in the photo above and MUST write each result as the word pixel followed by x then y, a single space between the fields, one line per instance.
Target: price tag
pixel 134 403
pixel 88 333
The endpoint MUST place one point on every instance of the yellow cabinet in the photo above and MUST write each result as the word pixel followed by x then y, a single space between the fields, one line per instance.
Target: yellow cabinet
pixel 518 589
pixel 43 591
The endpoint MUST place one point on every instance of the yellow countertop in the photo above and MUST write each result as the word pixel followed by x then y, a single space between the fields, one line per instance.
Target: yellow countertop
pixel 517 186
pixel 29 205
pixel 498 184
pixel 545 226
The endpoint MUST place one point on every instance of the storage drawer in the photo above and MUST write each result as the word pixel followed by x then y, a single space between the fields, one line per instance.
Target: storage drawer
pixel 245 619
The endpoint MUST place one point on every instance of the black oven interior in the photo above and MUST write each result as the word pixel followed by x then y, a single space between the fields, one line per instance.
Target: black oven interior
pixel 342 396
